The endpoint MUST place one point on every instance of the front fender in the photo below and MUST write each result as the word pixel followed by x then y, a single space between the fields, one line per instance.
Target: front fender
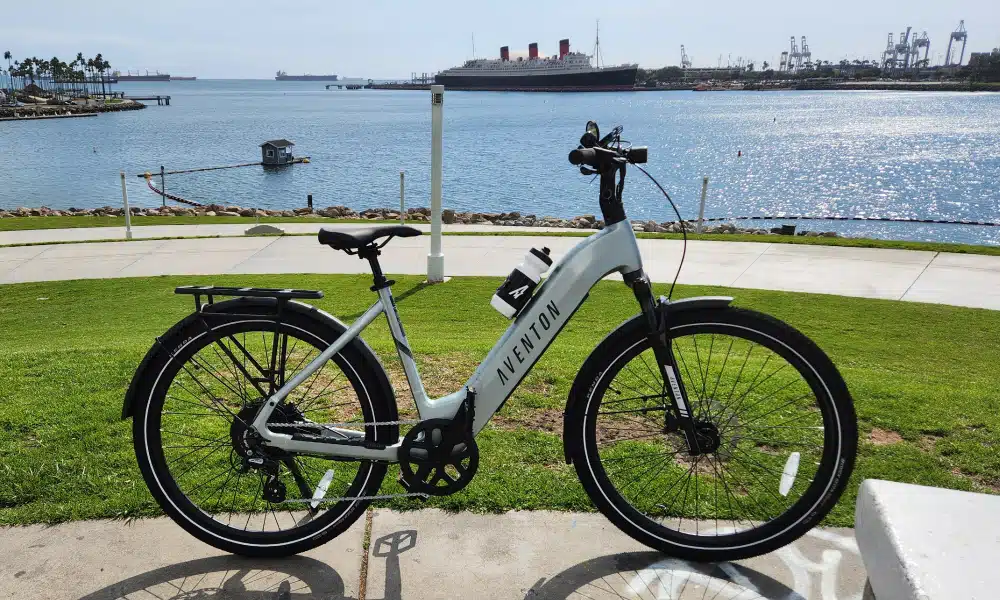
pixel 586 375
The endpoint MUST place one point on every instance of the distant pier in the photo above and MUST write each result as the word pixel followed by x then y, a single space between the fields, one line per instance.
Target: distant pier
pixel 160 100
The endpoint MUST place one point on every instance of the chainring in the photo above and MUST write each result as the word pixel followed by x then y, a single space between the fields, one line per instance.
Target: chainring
pixel 438 457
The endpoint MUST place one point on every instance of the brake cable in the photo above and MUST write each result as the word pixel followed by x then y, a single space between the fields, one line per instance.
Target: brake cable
pixel 679 220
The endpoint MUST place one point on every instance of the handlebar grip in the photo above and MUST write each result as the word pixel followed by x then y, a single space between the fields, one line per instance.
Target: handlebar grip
pixel 583 156
pixel 638 154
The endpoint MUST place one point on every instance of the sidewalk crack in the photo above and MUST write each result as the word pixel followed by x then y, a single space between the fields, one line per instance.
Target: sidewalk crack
pixel 261 249
pixel 733 284
pixel 917 278
pixel 366 543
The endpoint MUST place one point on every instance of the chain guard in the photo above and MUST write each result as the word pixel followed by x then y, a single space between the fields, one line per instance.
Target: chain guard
pixel 438 457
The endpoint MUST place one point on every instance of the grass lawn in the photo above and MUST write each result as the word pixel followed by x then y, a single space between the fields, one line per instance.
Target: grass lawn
pixel 924 379
pixel 26 223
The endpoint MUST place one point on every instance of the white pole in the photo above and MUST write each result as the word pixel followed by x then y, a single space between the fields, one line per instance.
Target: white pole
pixel 701 209
pixel 402 206
pixel 128 213
pixel 435 260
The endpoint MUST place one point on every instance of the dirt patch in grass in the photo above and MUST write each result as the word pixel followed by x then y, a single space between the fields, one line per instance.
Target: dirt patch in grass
pixel 884 437
pixel 928 443
pixel 548 420
pixel 980 483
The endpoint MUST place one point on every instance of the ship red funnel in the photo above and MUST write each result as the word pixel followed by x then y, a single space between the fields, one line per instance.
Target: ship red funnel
pixel 504 53
pixel 563 48
pixel 533 50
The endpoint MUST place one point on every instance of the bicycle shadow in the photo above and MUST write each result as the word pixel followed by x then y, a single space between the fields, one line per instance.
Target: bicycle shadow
pixel 400 298
pixel 389 547
pixel 232 577
pixel 653 575
pixel 235 577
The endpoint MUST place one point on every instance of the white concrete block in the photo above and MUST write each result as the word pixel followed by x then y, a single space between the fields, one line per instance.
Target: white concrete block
pixel 925 543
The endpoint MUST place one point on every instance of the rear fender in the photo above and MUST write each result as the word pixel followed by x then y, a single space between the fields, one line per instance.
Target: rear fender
pixel 142 380
pixel 586 376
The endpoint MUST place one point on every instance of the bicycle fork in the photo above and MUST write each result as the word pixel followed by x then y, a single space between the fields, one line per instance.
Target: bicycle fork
pixel 657 331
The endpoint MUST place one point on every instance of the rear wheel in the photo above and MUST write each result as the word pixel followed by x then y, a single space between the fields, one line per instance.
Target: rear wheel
pixel 774 417
pixel 205 465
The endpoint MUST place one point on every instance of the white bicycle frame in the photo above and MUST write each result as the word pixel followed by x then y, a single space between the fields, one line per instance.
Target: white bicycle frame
pixel 613 249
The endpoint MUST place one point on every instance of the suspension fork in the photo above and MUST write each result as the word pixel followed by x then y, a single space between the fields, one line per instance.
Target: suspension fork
pixel 657 328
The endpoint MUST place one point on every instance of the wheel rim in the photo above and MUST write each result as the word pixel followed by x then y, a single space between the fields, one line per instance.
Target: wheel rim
pixel 759 408
pixel 198 433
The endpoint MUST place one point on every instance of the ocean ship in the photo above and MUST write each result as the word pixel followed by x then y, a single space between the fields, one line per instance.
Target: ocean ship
pixel 129 76
pixel 282 76
pixel 182 78
pixel 568 71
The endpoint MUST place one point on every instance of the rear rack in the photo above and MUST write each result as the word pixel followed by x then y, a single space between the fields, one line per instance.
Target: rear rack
pixel 282 295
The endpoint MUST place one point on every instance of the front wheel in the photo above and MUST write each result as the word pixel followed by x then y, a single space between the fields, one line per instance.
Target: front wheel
pixel 775 417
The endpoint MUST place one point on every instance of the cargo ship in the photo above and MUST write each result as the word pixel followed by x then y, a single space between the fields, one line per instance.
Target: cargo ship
pixel 567 71
pixel 129 76
pixel 182 78
pixel 282 76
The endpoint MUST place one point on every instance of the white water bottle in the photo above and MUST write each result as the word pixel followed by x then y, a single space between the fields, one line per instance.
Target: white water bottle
pixel 516 290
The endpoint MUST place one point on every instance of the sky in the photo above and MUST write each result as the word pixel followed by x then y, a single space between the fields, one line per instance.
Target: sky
pixel 386 39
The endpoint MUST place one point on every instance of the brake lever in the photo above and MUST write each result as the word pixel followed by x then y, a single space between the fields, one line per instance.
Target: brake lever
pixel 586 171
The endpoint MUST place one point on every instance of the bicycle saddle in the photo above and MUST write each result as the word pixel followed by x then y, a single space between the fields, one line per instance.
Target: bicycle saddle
pixel 353 239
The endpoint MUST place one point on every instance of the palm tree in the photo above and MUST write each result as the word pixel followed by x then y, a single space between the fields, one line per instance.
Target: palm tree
pixel 107 72
pixel 90 73
pixel 80 62
pixel 99 67
pixel 7 56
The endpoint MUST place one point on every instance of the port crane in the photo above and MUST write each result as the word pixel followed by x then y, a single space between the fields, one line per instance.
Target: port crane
pixel 959 35
pixel 685 60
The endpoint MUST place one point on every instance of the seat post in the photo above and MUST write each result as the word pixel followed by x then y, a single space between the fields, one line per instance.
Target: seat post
pixel 371 254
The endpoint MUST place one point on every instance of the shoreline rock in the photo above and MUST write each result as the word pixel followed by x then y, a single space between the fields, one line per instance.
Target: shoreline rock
pixel 32 110
pixel 449 216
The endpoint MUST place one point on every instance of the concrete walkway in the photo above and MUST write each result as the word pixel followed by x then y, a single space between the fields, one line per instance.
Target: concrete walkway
pixel 422 554
pixel 943 278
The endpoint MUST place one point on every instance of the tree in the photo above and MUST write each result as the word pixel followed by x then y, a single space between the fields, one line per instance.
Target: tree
pixel 90 73
pixel 99 67
pixel 765 66
pixel 7 56
pixel 107 72
pixel 81 75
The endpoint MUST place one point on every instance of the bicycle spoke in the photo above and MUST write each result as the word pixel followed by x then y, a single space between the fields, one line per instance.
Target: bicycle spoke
pixel 745 399
pixel 203 430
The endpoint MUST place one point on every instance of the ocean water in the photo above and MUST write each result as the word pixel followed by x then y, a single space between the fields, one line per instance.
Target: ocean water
pixel 891 154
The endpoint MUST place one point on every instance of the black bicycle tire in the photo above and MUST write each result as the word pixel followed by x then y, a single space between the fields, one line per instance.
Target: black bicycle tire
pixel 835 471
pixel 328 525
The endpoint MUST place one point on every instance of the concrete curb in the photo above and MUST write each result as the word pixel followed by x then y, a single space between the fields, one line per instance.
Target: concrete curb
pixel 925 543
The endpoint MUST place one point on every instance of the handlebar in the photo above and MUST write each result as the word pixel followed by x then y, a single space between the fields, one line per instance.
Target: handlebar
pixel 607 157
pixel 585 156
pixel 598 157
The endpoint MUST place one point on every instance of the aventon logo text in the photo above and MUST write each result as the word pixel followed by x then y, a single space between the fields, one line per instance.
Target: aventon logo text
pixel 522 350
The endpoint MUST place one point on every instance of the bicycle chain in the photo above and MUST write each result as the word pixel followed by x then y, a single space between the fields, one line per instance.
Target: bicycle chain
pixel 375 497
pixel 330 425
pixel 342 498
